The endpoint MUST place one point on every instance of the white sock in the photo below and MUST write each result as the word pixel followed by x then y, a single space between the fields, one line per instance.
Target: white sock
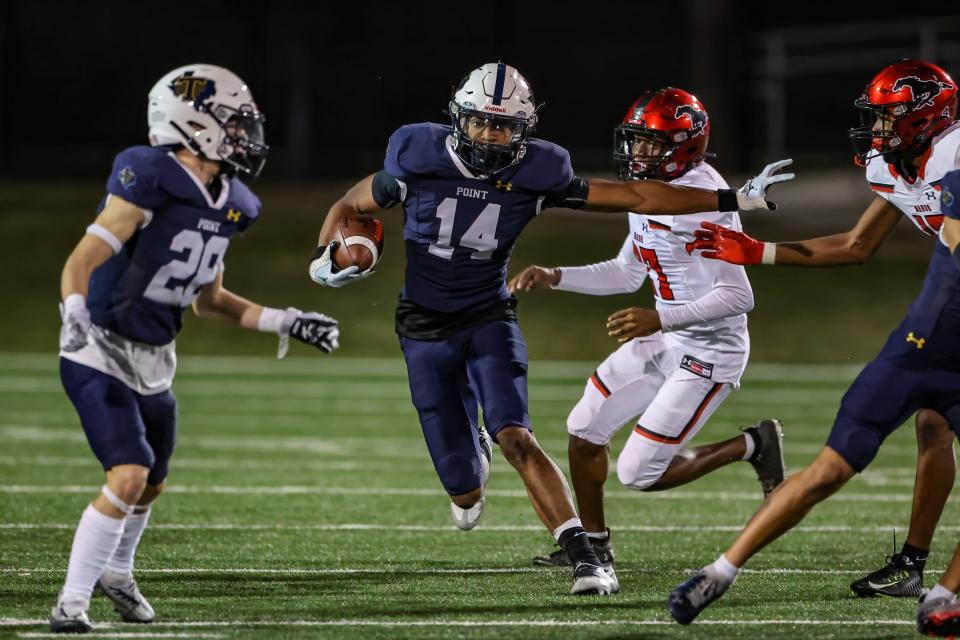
pixel 602 536
pixel 750 448
pixel 94 543
pixel 940 591
pixel 724 568
pixel 133 526
pixel 569 524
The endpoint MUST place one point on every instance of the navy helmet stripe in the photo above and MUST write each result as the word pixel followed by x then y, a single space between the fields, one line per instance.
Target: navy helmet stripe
pixel 498 87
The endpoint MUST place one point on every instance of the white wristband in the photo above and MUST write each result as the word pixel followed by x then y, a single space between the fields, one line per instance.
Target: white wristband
pixel 769 253
pixel 73 302
pixel 271 320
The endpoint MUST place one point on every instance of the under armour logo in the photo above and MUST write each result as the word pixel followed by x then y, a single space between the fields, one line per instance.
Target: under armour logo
pixel 918 341
pixel 233 215
pixel 504 186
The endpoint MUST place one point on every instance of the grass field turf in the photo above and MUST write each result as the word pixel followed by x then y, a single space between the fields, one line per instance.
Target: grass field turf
pixel 303 503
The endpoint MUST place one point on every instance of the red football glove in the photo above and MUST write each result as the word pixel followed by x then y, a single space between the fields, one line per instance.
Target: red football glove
pixel 721 243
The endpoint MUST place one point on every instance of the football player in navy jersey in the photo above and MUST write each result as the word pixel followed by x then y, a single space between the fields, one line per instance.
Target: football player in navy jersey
pixel 467 191
pixel 156 247
pixel 938 612
pixel 912 141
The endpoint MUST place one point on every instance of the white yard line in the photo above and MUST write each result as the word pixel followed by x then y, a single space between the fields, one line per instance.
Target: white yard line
pixel 340 366
pixel 720 496
pixel 362 447
pixel 196 463
pixel 434 622
pixel 692 528
pixel 124 634
pixel 397 391
pixel 401 571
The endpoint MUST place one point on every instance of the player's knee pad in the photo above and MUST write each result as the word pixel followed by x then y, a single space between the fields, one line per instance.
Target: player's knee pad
pixel 583 414
pixel 854 441
pixel 460 474
pixel 641 464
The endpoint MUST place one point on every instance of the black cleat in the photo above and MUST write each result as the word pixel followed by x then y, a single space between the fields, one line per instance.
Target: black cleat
pixel 767 458
pixel 559 557
pixel 688 599
pixel 939 617
pixel 899 579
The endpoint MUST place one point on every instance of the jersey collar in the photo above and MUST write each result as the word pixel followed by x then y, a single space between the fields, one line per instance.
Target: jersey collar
pixel 224 192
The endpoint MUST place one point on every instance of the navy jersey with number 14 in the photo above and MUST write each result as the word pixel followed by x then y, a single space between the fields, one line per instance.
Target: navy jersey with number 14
pixel 459 230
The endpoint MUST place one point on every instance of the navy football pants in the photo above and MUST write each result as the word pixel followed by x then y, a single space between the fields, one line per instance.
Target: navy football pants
pixel 485 363
pixel 901 380
pixel 122 426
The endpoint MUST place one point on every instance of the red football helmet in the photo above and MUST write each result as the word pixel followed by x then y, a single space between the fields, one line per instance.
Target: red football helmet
pixel 663 135
pixel 916 98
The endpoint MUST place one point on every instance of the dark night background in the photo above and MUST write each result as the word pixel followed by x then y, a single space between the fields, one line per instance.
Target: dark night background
pixel 336 79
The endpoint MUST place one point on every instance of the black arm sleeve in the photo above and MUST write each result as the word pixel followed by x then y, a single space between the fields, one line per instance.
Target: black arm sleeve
pixel 574 196
pixel 386 190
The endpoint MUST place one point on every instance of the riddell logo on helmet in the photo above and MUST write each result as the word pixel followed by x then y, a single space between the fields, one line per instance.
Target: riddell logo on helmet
pixel 923 91
pixel 698 119
pixel 490 107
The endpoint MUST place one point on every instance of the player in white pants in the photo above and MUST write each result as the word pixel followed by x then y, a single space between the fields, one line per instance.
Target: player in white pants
pixel 678 363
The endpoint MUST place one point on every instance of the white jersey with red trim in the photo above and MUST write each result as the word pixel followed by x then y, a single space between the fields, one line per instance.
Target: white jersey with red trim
pixel 919 199
pixel 678 277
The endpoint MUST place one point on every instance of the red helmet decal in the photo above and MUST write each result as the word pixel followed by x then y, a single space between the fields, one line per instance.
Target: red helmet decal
pixel 698 119
pixel 923 91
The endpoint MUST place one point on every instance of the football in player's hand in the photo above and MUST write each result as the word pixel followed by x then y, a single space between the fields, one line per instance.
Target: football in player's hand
pixel 360 241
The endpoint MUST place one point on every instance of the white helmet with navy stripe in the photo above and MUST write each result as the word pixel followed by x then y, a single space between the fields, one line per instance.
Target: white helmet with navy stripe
pixel 210 111
pixel 496 97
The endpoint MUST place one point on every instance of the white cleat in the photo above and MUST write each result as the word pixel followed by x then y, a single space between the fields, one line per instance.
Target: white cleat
pixel 466 519
pixel 127 600
pixel 486 450
pixel 613 576
pixel 589 579
pixel 69 615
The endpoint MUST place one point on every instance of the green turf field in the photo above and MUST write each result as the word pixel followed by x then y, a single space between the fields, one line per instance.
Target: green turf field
pixel 303 503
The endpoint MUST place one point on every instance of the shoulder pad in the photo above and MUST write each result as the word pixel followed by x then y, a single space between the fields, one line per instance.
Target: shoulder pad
pixel 944 155
pixel 950 195
pixel 702 176
pixel 138 174
pixel 544 169
pixel 418 149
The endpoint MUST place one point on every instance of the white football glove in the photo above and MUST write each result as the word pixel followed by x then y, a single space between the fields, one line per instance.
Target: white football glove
pixel 321 268
pixel 315 329
pixel 76 323
pixel 753 194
